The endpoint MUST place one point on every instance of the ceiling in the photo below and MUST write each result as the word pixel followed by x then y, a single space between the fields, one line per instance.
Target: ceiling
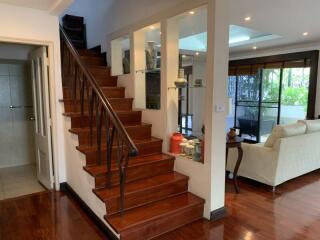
pixel 286 18
pixel 52 6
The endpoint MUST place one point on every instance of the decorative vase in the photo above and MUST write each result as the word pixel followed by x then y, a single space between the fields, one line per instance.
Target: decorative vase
pixel 175 141
pixel 151 56
pixel 232 133
pixel 181 82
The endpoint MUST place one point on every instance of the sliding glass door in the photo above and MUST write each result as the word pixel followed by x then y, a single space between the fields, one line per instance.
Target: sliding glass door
pixel 272 96
pixel 269 105
pixel 271 90
pixel 247 106
pixel 294 94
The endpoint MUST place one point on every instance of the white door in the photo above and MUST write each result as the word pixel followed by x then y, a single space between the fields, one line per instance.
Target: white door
pixel 41 103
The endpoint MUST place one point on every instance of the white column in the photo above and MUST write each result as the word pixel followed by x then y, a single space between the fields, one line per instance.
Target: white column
pixel 216 99
pixel 169 74
pixel 116 57
pixel 139 64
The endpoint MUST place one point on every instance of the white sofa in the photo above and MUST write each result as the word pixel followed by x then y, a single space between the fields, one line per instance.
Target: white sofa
pixel 290 151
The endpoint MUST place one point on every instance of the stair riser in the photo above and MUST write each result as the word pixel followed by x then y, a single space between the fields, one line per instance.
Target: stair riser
pixel 137 172
pixel 109 93
pixel 165 224
pixel 89 61
pixel 138 132
pixel 148 195
pixel 133 117
pixel 106 81
pixel 144 149
pixel 123 105
pixel 100 72
pixel 84 53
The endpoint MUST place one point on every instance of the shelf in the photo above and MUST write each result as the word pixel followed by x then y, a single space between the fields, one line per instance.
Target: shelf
pixel 185 87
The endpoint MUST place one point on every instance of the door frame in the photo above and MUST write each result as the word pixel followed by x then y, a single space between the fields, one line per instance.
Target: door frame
pixel 55 93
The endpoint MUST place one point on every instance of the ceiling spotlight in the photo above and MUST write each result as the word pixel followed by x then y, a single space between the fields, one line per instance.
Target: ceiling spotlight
pixel 254 47
pixel 247 19
pixel 152 27
pixel 191 12
pixel 197 53
pixel 305 34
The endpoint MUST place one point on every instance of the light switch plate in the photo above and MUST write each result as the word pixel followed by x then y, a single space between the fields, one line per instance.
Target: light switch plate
pixel 219 108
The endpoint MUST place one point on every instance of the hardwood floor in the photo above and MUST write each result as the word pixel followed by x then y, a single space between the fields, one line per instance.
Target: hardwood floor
pixel 291 213
pixel 45 215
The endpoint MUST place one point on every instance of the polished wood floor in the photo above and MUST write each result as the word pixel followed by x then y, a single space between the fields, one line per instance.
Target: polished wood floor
pixel 291 213
pixel 45 215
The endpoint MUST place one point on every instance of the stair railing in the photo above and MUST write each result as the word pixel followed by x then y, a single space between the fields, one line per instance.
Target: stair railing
pixel 100 116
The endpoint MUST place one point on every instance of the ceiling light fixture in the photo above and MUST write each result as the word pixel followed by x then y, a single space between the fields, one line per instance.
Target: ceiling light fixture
pixel 305 34
pixel 197 53
pixel 254 47
pixel 247 19
pixel 184 56
pixel 191 12
pixel 152 27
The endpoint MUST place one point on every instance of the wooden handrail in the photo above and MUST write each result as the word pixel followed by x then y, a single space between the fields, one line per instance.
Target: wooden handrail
pixel 104 101
pixel 83 81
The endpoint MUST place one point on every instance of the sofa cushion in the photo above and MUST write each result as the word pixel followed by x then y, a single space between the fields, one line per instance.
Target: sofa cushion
pixel 282 131
pixel 312 125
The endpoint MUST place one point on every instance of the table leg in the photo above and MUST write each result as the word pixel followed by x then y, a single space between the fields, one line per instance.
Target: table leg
pixel 235 172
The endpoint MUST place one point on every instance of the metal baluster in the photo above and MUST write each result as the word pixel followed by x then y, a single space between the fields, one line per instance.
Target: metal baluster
pixel 98 128
pixel 92 101
pixel 82 101
pixel 75 89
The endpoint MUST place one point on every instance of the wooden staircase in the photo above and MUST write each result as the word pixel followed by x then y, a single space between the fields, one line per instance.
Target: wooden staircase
pixel 156 199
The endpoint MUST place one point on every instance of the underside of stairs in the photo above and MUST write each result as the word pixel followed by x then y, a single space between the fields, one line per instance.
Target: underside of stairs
pixel 156 198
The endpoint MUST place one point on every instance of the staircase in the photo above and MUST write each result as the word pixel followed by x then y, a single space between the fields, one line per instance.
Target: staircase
pixel 155 198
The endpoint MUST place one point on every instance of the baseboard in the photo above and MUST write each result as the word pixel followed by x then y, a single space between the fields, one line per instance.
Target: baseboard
pixel 218 214
pixel 65 187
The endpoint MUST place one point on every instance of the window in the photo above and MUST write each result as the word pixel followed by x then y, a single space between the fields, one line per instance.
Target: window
pixel 271 90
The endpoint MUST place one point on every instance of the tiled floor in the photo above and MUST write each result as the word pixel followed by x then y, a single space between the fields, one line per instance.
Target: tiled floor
pixel 18 181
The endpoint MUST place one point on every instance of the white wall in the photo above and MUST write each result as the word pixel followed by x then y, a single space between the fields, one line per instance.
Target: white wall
pixel 97 19
pixel 26 25
pixel 206 180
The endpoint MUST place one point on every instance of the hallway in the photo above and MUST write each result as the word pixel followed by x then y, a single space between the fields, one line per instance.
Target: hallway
pixel 18 181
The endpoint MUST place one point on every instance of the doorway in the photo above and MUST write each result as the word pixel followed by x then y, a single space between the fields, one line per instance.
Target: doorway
pixel 23 97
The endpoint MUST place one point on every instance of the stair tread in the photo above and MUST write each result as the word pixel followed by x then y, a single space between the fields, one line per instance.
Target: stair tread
pixel 144 214
pixel 78 114
pixel 139 185
pixel 87 129
pixel 95 170
pixel 102 87
pixel 137 142
pixel 85 100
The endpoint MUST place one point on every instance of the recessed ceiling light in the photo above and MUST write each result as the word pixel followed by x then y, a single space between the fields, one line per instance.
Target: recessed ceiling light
pixel 247 19
pixel 191 12
pixel 305 34
pixel 254 47
pixel 197 53
pixel 152 27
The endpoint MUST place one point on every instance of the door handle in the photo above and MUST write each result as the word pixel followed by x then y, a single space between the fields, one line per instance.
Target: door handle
pixel 12 107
